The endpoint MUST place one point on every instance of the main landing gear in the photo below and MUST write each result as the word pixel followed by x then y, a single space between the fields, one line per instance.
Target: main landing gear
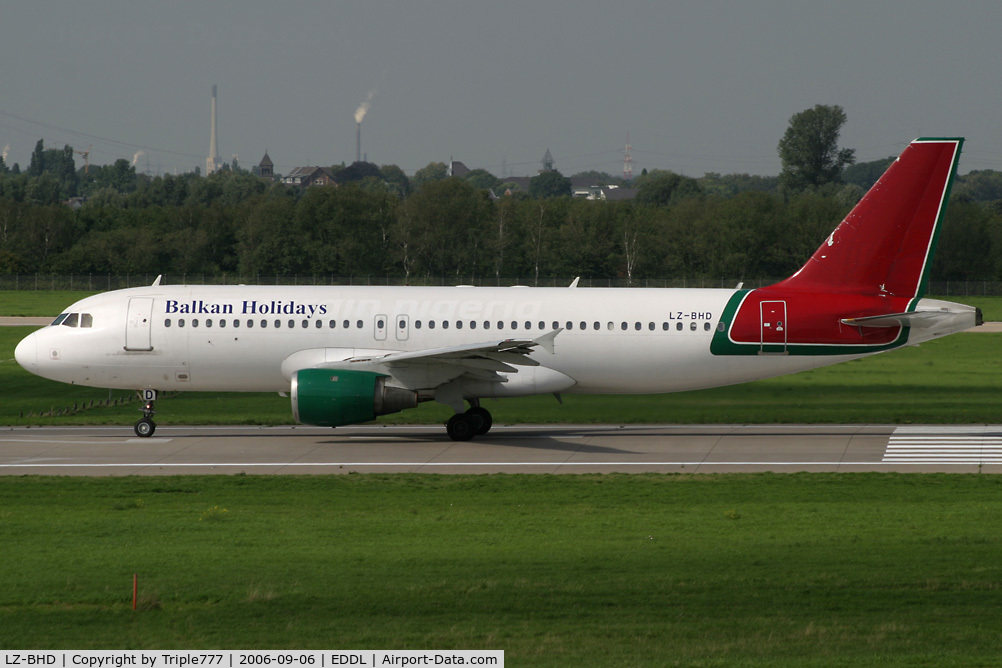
pixel 474 422
pixel 146 426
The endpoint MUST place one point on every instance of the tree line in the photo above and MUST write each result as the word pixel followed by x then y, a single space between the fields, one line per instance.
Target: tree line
pixel 379 222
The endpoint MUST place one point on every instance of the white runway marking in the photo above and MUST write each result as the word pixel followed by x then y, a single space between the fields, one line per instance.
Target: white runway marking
pixel 497 464
pixel 945 445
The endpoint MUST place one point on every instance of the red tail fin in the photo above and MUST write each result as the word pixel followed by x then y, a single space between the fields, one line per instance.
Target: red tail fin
pixel 885 245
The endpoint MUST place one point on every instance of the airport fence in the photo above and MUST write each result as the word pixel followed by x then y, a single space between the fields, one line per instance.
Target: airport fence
pixel 103 282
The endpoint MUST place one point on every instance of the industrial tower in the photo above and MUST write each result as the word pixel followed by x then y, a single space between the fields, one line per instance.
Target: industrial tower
pixel 213 162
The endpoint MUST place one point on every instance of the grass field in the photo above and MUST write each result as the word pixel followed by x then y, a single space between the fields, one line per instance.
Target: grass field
pixel 589 570
pixel 579 570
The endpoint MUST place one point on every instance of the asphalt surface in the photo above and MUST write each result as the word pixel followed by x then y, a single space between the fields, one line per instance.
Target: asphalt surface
pixel 99 451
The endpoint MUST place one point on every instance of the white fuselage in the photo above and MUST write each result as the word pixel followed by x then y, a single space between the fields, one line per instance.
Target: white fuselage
pixel 251 338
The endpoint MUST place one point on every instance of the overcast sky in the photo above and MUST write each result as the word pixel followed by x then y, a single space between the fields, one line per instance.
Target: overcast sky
pixel 702 86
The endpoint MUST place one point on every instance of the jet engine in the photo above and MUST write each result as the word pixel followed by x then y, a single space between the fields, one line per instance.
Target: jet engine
pixel 334 397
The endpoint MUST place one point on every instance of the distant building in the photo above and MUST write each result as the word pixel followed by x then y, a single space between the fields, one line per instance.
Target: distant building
pixel 548 162
pixel 456 168
pixel 304 177
pixel 266 168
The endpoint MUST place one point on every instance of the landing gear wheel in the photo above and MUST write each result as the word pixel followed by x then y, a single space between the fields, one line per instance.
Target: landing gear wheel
pixel 145 428
pixel 482 419
pixel 461 427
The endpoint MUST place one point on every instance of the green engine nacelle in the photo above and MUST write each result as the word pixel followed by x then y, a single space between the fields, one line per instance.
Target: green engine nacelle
pixel 334 397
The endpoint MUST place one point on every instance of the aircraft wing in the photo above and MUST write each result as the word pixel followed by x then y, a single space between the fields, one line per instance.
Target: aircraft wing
pixel 433 366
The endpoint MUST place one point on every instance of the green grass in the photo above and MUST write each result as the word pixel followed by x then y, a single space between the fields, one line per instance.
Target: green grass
pixel 589 570
pixel 38 303
pixel 957 379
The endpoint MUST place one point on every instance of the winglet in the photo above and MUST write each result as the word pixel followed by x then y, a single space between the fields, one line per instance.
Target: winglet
pixel 157 281
pixel 574 283
pixel 546 340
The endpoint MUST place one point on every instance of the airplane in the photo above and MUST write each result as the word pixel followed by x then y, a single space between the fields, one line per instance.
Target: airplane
pixel 347 354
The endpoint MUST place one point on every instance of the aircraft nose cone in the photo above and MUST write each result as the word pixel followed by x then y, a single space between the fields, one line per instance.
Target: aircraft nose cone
pixel 26 353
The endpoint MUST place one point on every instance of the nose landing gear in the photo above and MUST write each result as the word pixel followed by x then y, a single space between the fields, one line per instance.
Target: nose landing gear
pixel 146 426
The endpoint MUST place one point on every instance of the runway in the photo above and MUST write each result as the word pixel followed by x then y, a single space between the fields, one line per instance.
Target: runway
pixel 553 449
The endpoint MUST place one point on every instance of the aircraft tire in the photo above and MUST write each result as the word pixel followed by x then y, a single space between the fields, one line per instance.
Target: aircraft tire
pixel 482 419
pixel 145 428
pixel 460 427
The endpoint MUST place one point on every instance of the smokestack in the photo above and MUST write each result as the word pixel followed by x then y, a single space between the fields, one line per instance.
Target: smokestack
pixel 360 113
pixel 212 162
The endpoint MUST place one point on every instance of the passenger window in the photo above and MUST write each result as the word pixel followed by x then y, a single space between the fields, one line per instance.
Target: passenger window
pixel 380 324
pixel 570 325
pixel 222 323
pixel 650 326
pixel 167 322
pixel 306 323
pixel 250 323
pixel 358 323
pixel 71 320
pixel 332 324
pixel 278 324
pixel 622 326
pixel 487 324
pixel 678 326
pixel 596 326
pixel 514 325
pixel 236 323
pixel 473 324
pixel 459 324
pixel 528 325
pixel 636 326
pixel 208 322
pixel 556 325
pixel 611 326
pixel 721 327
pixel 320 323
pixel 264 324
pixel 584 325
pixel 194 322
pixel 431 324
pixel 417 324
pixel 180 322
pixel 706 326
pixel 692 326
pixel 445 324
pixel 664 326
pixel 86 320
pixel 345 323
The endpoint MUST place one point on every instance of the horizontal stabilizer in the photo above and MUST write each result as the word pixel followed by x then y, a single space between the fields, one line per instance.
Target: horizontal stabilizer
pixel 920 319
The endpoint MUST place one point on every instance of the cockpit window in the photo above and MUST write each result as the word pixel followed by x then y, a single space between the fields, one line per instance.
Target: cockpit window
pixel 74 320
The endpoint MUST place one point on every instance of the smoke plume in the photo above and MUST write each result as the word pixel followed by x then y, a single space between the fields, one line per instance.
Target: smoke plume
pixel 5 152
pixel 363 108
pixel 136 157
